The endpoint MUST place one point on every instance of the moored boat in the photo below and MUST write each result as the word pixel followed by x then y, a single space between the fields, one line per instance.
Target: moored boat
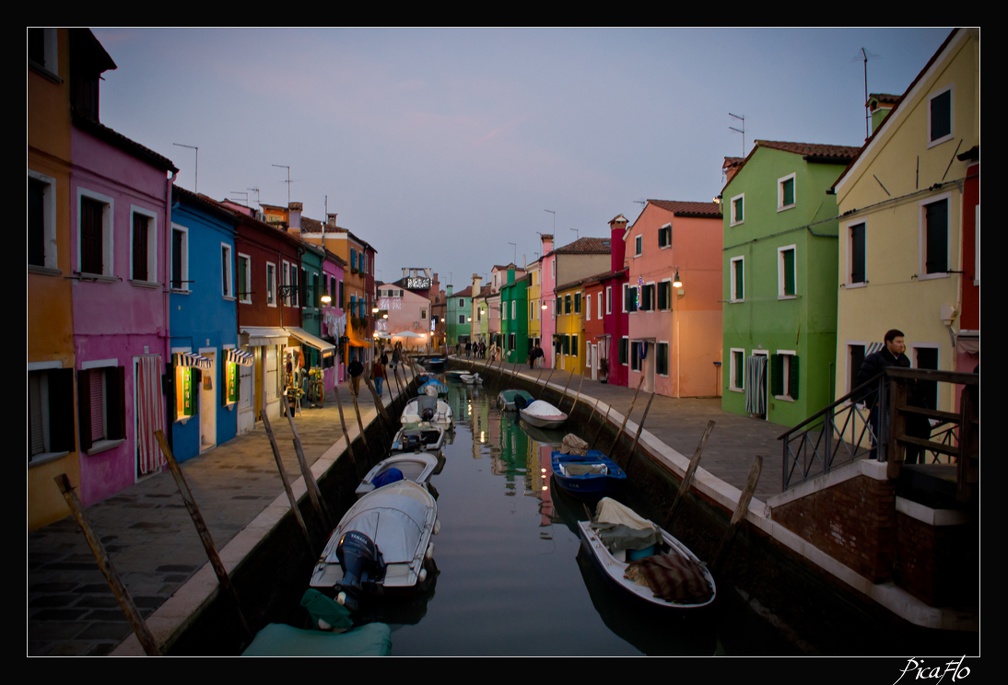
pixel 643 560
pixel 418 437
pixel 428 408
pixel 513 399
pixel 414 466
pixel 381 545
pixel 542 414
pixel 592 474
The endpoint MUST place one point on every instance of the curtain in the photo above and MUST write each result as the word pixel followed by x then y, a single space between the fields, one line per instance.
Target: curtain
pixel 150 413
pixel 755 395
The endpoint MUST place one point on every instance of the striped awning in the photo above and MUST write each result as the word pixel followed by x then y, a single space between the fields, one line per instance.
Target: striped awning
pixel 190 359
pixel 327 349
pixel 240 357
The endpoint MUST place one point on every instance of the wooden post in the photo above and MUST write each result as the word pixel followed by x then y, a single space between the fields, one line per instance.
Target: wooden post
pixel 382 414
pixel 740 510
pixel 346 435
pixel 570 377
pixel 640 427
pixel 360 423
pixel 143 633
pixel 577 396
pixel 286 481
pixel 687 480
pixel 625 418
pixel 605 420
pixel 313 489
pixel 201 528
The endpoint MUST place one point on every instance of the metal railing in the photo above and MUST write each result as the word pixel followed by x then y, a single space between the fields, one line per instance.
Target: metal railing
pixel 843 431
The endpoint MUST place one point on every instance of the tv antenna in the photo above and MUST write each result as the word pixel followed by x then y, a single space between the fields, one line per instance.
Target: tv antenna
pixel 196 168
pixel 739 130
pixel 283 166
pixel 867 121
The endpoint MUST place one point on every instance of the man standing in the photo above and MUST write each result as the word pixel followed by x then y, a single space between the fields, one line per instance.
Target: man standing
pixel 892 353
pixel 355 369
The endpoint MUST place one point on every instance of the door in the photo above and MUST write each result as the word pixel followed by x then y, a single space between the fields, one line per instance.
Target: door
pixel 208 402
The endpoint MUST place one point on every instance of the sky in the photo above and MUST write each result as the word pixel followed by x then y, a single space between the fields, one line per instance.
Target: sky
pixel 454 149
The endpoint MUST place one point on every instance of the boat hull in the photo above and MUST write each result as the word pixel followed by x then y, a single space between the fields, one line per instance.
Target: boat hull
pixel 507 400
pixel 542 415
pixel 415 466
pixel 418 437
pixel 591 475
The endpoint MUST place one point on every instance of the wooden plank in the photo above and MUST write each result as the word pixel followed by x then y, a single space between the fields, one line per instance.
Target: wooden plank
pixel 105 565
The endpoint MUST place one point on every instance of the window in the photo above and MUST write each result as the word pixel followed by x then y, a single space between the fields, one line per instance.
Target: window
pixel 287 279
pixel 588 307
pixel 638 242
pixel 42 53
pixel 940 117
pixel 736 379
pixel 855 357
pixel 143 257
pixel 101 406
pixel 50 412
pixel 598 306
pixel 180 258
pixel 629 297
pixel 577 303
pixel 512 341
pixel 567 304
pixel 565 345
pixel 353 260
pixel 575 348
pixel 661 358
pixel 41 220
pixel 513 310
pixel 624 350
pixel 461 302
pixel 95 234
pixel 665 236
pixel 461 318
pixel 935 236
pixel 648 297
pixel 665 296
pixel 784 375
pixel 737 279
pixel 227 281
pixel 244 266
pixel 737 210
pixel 856 254
pixel 608 299
pixel 271 284
pixel 786 277
pixel 635 356
pixel 786 192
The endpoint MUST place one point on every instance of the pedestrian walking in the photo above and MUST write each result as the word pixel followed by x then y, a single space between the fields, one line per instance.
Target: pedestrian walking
pixel 378 373
pixel 355 370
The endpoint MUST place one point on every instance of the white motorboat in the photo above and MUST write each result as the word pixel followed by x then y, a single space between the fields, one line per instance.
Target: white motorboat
pixel 415 466
pixel 418 437
pixel 382 545
pixel 428 408
pixel 645 561
pixel 542 414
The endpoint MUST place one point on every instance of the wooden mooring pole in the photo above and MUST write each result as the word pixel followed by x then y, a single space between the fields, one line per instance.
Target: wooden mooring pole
pixel 318 503
pixel 286 481
pixel 627 417
pixel 143 633
pixel 640 427
pixel 740 510
pixel 687 480
pixel 342 420
pixel 201 528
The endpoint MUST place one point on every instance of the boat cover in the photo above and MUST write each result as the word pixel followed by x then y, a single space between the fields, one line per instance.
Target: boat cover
pixel 279 639
pixel 393 517
pixel 620 527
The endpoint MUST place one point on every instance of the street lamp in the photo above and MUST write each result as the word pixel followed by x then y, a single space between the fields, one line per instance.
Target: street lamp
pixel 677 282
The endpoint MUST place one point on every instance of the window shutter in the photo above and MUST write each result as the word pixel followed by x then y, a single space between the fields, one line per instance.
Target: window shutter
pixel 793 378
pixel 84 409
pixel 61 410
pixel 116 394
pixel 776 375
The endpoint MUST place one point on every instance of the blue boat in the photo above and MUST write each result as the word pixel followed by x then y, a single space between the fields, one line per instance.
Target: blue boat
pixel 513 399
pixel 590 475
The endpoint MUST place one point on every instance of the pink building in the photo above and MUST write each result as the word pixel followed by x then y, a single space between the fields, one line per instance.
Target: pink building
pixel 673 299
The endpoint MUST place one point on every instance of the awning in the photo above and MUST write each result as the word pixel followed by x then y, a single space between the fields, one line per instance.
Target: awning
pixel 264 335
pixel 354 340
pixel 239 357
pixel 190 359
pixel 327 349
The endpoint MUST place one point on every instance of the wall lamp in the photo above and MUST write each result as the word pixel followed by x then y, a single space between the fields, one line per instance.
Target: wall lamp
pixel 677 282
pixel 326 299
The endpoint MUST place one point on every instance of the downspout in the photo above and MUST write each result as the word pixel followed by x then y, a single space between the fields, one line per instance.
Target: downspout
pixel 169 391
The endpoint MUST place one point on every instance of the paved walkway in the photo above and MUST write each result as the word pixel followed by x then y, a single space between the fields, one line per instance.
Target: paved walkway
pixel 150 538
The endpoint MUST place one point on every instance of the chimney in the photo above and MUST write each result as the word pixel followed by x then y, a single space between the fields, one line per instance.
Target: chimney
pixel 294 221
pixel 476 282
pixel 331 220
pixel 547 243
pixel 617 242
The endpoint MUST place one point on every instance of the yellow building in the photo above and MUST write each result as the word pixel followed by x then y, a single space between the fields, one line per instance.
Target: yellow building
pixel 535 304
pixel 906 226
pixel 568 342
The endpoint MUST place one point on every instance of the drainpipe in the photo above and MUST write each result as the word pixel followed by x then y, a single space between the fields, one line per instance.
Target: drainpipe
pixel 166 304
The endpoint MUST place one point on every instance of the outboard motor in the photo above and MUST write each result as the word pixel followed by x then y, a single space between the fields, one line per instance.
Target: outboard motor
pixel 427 414
pixel 362 563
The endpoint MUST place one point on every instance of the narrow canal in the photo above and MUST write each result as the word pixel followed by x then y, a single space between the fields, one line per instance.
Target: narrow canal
pixel 512 580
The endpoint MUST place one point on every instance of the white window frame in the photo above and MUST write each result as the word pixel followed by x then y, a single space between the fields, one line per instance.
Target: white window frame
pixel 183 279
pixel 734 264
pixel 740 201
pixel 152 243
pixel 50 256
pixel 652 302
pixel 108 266
pixel 663 230
pixel 227 278
pixel 781 275
pixel 50 48
pixel 271 284
pixel 780 192
pixel 244 293
pixel 736 356
pixel 785 374
pixel 922 272
pixel 658 288
pixel 659 346
pixel 948 136
pixel 608 299
pixel 588 307
pixel 638 245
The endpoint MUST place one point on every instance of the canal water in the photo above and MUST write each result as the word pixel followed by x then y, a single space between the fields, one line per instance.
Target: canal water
pixel 511 577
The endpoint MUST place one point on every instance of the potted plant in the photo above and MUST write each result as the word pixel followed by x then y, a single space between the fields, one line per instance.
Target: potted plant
pixel 603 368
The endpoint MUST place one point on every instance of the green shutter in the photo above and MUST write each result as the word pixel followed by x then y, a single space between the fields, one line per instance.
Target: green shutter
pixel 776 375
pixel 793 378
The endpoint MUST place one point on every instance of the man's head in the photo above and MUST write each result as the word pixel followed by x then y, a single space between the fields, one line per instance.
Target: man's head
pixel 894 342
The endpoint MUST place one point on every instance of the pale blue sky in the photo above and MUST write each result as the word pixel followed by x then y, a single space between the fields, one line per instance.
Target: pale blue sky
pixel 441 147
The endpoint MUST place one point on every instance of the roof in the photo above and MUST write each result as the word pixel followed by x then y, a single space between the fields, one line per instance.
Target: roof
pixel 118 140
pixel 884 98
pixel 313 226
pixel 586 246
pixel 699 210
pixel 207 204
pixel 814 152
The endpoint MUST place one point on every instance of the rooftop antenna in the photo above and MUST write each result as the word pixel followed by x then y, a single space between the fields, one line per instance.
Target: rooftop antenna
pixel 554 219
pixel 739 130
pixel 515 262
pixel 867 122
pixel 239 193
pixel 282 166
pixel 577 235
pixel 256 191
pixel 196 172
